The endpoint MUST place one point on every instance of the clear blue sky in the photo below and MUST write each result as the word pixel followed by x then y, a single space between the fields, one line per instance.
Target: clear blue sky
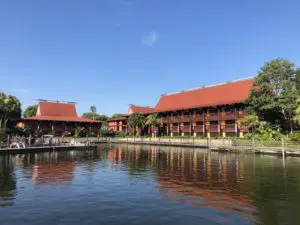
pixel 114 52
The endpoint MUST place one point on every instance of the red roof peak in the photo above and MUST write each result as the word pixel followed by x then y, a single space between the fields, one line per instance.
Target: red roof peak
pixel 140 109
pixel 57 109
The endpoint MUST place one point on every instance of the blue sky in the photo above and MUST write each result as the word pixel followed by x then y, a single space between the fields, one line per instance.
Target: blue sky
pixel 115 52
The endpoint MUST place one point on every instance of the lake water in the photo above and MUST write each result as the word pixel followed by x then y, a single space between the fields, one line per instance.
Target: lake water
pixel 132 184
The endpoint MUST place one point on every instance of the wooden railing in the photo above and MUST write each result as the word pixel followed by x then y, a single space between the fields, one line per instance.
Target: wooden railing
pixel 230 128
pixel 186 129
pixel 176 119
pixel 175 129
pixel 198 128
pixel 228 116
pixel 212 117
pixel 213 128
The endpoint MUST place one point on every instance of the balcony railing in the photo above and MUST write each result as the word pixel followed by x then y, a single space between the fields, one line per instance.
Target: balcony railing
pixel 187 118
pixel 241 114
pixel 186 129
pixel 230 128
pixel 228 116
pixel 175 129
pixel 198 128
pixel 165 119
pixel 244 129
pixel 176 119
pixel 214 128
pixel 212 117
pixel 198 117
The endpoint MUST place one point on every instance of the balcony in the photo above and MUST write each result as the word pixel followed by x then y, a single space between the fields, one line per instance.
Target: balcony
pixel 213 128
pixel 230 128
pixel 198 117
pixel 175 129
pixel 241 115
pixel 228 116
pixel 176 119
pixel 187 118
pixel 244 129
pixel 212 117
pixel 198 129
pixel 186 129
pixel 165 119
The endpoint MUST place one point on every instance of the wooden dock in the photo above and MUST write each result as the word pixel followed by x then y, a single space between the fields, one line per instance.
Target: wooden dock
pixel 47 149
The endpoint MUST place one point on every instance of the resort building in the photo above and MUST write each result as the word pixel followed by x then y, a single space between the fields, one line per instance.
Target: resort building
pixel 214 110
pixel 55 116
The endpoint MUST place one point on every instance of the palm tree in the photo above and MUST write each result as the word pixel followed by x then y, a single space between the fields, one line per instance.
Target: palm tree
pixel 153 122
pixel 93 110
pixel 136 120
pixel 78 131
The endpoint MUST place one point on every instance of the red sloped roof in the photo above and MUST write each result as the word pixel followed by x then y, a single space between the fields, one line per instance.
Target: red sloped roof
pixel 140 109
pixel 222 94
pixel 57 111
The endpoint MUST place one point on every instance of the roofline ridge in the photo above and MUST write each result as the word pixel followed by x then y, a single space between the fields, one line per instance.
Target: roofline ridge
pixel 209 86
pixel 141 106
pixel 55 101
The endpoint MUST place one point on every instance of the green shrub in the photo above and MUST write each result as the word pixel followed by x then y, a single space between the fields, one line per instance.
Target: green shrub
pixel 106 132
pixel 295 136
pixel 2 136
pixel 264 133
pixel 120 134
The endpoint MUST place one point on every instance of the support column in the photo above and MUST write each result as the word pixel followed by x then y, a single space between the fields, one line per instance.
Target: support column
pixel 241 134
pixel 223 123
pixel 219 123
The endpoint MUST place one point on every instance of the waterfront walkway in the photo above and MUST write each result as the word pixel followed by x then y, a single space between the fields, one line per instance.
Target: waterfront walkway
pixel 227 145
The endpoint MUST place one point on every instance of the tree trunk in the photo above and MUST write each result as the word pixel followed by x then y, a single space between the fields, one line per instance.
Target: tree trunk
pixel 5 124
pixel 291 126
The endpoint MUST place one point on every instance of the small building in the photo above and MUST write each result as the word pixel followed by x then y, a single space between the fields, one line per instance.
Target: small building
pixel 214 110
pixel 55 116
pixel 121 123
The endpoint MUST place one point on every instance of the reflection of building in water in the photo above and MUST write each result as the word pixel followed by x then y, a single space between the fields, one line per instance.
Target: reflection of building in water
pixel 192 175
pixel 53 173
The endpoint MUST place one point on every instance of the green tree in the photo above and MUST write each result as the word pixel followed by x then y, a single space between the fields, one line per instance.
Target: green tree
pixel 273 96
pixel 92 116
pixel 153 122
pixel 93 109
pixel 251 121
pixel 104 131
pixel 117 115
pixel 298 80
pixel 30 111
pixel 136 121
pixel 10 110
pixel 297 111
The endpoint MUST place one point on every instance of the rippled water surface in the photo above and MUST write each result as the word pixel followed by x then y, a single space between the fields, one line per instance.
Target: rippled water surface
pixel 131 184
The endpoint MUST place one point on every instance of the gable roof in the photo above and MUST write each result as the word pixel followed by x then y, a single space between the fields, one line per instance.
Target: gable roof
pixel 140 109
pixel 58 111
pixel 213 95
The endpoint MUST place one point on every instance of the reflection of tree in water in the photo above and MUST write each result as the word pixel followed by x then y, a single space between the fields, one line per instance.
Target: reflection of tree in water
pixel 7 181
pixel 258 190
pixel 275 191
